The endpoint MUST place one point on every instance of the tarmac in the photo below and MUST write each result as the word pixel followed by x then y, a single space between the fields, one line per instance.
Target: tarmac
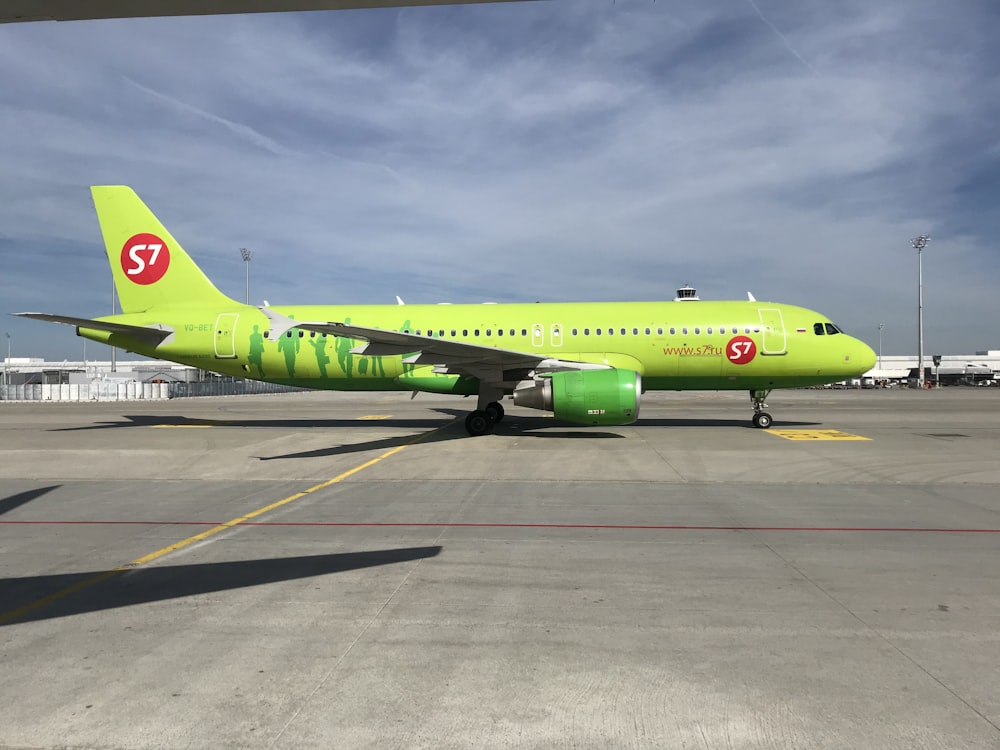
pixel 324 570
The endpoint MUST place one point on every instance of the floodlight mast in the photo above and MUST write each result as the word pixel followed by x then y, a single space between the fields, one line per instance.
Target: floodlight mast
pixel 919 243
pixel 880 327
pixel 247 257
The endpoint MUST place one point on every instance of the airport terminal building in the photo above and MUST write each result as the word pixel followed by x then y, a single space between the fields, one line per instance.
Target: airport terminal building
pixel 31 379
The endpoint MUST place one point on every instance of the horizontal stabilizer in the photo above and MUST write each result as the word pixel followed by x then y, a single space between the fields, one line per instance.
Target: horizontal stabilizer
pixel 154 334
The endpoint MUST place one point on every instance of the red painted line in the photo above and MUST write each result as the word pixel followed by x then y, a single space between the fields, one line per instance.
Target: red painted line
pixel 428 525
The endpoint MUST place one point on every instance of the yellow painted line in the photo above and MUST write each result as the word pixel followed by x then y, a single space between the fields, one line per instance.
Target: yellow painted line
pixel 371 417
pixel 816 435
pixel 14 614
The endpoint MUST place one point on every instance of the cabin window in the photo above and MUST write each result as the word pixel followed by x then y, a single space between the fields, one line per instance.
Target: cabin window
pixel 267 334
pixel 611 331
pixel 635 331
pixel 573 332
pixel 756 329
pixel 324 335
pixel 475 332
pixel 597 332
pixel 622 331
pixel 453 333
pixel 708 330
pixel 441 333
pixel 489 331
pixel 524 331
pixel 647 331
pixel 465 332
pixel 586 331
pixel 697 331
pixel 499 331
pixel 684 330
pixel 288 335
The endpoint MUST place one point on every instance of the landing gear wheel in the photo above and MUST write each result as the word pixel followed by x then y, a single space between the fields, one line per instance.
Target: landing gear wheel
pixel 494 410
pixel 479 423
pixel 760 417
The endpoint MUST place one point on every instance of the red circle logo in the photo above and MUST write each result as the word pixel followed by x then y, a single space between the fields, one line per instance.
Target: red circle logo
pixel 145 258
pixel 741 350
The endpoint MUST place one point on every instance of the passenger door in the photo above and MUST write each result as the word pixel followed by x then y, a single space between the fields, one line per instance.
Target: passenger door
pixel 773 331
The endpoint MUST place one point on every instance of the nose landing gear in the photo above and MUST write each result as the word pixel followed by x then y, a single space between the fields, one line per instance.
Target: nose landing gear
pixel 760 417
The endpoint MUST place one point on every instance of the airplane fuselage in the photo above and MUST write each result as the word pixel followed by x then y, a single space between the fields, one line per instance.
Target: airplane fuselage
pixel 672 345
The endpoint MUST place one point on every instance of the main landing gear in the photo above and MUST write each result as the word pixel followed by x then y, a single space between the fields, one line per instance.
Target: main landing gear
pixel 482 419
pixel 760 417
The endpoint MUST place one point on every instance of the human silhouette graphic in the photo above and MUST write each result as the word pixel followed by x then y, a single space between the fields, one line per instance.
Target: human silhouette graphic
pixel 344 357
pixel 319 345
pixel 255 357
pixel 407 367
pixel 289 345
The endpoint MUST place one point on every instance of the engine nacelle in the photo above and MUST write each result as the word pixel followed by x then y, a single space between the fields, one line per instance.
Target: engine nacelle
pixel 595 397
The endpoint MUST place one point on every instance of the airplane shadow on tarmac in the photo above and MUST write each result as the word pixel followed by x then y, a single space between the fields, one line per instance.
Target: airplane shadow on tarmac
pixel 13 502
pixel 159 420
pixel 102 590
pixel 523 422
pixel 522 425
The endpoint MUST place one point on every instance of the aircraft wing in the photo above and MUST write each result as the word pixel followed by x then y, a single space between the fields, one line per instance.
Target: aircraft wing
pixel 492 365
pixel 154 334
pixel 75 10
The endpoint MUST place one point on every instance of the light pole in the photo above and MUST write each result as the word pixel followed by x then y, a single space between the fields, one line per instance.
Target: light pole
pixel 247 257
pixel 919 243
pixel 6 363
pixel 114 352
pixel 880 327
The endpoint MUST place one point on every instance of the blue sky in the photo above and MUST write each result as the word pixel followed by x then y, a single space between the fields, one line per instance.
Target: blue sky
pixel 567 150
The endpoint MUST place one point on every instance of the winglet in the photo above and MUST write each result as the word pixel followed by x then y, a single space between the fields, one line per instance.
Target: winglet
pixel 751 298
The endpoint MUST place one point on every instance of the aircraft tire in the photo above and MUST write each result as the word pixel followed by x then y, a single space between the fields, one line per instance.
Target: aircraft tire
pixel 495 410
pixel 762 420
pixel 479 423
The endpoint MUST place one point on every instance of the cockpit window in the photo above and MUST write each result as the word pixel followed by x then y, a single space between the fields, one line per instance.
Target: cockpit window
pixel 831 329
pixel 818 329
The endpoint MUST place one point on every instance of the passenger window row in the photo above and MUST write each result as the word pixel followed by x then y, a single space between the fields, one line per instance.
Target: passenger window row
pixel 818 328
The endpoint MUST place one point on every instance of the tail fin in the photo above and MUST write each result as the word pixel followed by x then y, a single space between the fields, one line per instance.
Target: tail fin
pixel 149 266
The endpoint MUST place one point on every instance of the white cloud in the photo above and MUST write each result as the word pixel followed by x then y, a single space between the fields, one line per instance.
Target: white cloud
pixel 519 152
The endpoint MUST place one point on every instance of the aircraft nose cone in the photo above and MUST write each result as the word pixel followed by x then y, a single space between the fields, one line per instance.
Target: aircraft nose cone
pixel 863 357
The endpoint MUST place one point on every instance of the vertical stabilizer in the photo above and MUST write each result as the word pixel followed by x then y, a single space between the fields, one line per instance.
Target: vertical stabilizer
pixel 149 266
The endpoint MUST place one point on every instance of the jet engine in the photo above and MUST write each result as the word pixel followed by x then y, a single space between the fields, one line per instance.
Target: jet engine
pixel 592 397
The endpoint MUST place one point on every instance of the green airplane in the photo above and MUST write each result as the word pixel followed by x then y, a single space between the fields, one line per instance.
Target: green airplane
pixel 588 363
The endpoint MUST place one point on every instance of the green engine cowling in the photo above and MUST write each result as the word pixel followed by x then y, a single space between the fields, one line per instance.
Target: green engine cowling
pixel 594 397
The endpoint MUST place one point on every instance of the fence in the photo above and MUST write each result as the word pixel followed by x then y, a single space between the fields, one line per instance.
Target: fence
pixel 105 390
